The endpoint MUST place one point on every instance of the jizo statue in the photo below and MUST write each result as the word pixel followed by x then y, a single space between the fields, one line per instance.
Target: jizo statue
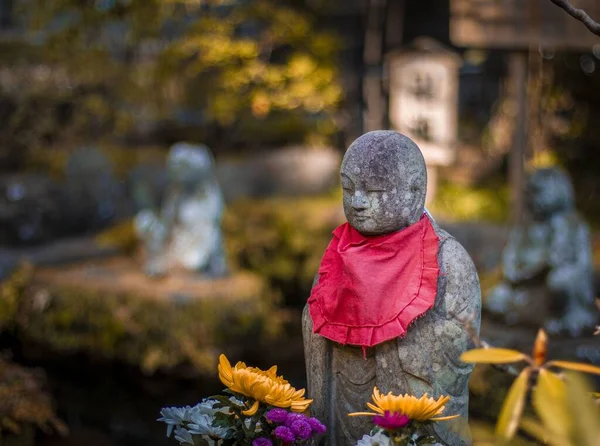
pixel 186 232
pixel 547 263
pixel 396 300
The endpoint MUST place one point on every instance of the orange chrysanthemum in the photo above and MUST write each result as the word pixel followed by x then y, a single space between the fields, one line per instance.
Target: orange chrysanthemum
pixel 417 409
pixel 262 386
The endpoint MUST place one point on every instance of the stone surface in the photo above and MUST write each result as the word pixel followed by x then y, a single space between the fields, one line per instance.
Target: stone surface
pixel 384 181
pixel 547 263
pixel 185 233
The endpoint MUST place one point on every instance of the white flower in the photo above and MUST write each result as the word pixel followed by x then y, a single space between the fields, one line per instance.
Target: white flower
pixel 183 436
pixel 174 417
pixel 201 424
pixel 248 423
pixel 206 406
pixel 379 439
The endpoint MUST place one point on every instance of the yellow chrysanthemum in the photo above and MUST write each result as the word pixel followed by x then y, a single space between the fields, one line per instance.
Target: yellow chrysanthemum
pixel 417 409
pixel 262 386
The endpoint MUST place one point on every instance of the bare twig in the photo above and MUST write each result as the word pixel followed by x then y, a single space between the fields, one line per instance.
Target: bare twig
pixel 579 14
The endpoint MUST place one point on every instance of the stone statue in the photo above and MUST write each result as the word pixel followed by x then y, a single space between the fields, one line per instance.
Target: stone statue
pixel 396 300
pixel 186 232
pixel 547 263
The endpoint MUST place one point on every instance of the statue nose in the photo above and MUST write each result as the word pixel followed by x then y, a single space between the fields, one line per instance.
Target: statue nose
pixel 359 202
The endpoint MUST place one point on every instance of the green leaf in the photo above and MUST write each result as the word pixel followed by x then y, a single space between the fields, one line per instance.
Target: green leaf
pixel 492 356
pixel 513 405
pixel 549 400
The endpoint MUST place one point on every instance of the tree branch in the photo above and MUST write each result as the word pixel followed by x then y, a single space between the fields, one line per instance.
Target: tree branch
pixel 579 14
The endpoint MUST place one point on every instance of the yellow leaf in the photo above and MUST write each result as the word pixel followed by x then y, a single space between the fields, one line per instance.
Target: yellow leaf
pixel 492 356
pixel 577 366
pixel 513 405
pixel 584 411
pixel 539 432
pixel 540 348
pixel 549 400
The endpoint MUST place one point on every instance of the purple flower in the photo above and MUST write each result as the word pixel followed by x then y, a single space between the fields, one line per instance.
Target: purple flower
pixel 284 433
pixel 301 429
pixel 291 417
pixel 262 441
pixel 391 420
pixel 278 416
pixel 316 426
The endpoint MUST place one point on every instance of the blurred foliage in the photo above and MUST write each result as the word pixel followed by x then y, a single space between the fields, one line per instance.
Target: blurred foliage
pixel 25 403
pixel 454 202
pixel 554 398
pixel 122 159
pixel 143 330
pixel 10 294
pixel 563 126
pixel 282 239
pixel 123 69
pixel 121 236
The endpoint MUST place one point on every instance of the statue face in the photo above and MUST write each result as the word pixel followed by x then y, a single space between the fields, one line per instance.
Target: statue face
pixel 376 198
pixel 548 192
pixel 384 180
pixel 189 165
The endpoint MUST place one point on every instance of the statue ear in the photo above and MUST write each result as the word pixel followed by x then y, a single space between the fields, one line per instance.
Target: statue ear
pixel 417 204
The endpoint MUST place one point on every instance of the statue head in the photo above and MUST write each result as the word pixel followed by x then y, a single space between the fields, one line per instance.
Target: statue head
pixel 548 192
pixel 189 164
pixel 384 181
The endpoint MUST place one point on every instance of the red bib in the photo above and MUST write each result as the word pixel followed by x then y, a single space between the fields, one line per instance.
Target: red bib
pixel 370 289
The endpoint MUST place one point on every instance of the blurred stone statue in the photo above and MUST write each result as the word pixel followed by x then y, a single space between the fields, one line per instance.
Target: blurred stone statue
pixel 396 300
pixel 185 232
pixel 547 263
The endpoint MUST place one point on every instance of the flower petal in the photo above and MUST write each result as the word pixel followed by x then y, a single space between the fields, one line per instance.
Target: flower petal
pixel 252 410
pixel 449 417
pixel 360 414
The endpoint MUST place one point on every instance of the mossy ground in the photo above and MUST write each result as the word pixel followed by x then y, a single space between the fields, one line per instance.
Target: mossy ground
pixel 70 313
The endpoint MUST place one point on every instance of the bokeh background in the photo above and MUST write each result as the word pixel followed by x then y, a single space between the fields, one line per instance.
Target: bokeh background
pixel 94 92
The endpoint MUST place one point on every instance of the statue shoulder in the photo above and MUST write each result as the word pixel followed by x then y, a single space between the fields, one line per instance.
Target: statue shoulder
pixel 459 287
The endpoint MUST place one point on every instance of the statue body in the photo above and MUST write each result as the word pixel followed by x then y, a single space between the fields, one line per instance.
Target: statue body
pixel 384 181
pixel 186 233
pixel 547 262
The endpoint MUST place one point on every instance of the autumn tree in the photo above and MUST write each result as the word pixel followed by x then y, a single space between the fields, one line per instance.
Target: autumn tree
pixel 234 72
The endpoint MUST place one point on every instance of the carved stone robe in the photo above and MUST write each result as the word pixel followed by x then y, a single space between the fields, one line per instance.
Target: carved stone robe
pixel 425 360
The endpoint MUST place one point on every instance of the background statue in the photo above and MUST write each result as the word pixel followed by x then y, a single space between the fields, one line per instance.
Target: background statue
pixel 405 336
pixel 186 232
pixel 547 263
